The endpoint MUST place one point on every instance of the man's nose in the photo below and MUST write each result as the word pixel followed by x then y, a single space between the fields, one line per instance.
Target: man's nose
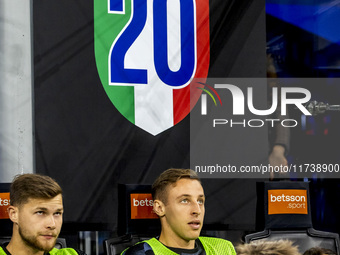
pixel 196 208
pixel 51 224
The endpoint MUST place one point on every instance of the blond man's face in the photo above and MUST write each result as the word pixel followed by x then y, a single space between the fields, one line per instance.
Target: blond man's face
pixel 39 222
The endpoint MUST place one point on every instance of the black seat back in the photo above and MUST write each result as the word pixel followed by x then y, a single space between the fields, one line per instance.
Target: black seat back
pixel 283 211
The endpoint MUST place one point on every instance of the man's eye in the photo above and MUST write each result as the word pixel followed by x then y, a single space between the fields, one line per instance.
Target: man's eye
pixel 58 213
pixel 201 202
pixel 184 200
pixel 40 212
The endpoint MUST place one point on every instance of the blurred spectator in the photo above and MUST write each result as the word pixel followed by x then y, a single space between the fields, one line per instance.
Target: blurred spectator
pixel 278 247
pixel 319 251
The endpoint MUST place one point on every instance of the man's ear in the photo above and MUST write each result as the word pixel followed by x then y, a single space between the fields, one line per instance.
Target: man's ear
pixel 159 208
pixel 13 213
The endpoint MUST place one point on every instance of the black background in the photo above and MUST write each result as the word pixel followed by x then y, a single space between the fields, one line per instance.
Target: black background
pixel 83 142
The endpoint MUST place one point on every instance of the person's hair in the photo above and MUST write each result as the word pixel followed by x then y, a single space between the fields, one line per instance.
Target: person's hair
pixel 319 251
pixel 170 177
pixel 36 186
pixel 278 247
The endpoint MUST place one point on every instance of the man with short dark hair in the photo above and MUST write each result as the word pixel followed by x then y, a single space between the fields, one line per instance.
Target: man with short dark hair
pixel 179 202
pixel 319 251
pixel 36 210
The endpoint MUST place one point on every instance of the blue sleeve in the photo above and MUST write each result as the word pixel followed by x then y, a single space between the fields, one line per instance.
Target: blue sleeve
pixel 139 249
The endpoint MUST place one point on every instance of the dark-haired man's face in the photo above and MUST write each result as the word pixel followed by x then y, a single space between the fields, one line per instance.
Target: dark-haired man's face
pixel 39 222
pixel 183 213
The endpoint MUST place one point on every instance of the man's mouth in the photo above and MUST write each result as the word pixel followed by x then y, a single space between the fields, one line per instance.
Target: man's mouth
pixel 48 236
pixel 196 224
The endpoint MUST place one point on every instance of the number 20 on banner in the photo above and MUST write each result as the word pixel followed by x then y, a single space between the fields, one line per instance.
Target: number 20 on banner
pixel 155 46
pixel 119 74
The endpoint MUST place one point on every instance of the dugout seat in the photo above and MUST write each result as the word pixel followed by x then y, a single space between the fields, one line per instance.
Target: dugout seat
pixel 280 220
pixel 137 221
pixel 304 238
pixel 117 245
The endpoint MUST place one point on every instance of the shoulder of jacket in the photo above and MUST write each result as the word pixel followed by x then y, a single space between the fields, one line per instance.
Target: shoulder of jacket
pixel 215 240
pixel 139 248
pixel 66 251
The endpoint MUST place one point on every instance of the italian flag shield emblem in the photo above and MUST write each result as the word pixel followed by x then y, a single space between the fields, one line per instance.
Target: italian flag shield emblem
pixel 148 52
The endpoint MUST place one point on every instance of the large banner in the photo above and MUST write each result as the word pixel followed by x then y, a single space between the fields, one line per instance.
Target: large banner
pixel 124 89
pixel 96 128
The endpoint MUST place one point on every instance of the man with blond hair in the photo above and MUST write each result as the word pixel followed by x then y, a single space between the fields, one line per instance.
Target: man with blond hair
pixel 36 210
pixel 179 202
pixel 278 247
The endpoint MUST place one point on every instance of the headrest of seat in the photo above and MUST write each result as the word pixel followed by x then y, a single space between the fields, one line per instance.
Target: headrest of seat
pixel 135 210
pixel 283 205
pixel 5 222
pixel 4 200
